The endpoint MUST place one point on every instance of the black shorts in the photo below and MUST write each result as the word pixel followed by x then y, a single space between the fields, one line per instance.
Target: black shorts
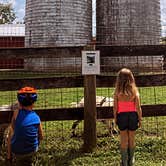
pixel 127 121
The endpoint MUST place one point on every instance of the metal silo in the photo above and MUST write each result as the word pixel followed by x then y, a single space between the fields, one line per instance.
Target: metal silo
pixel 58 23
pixel 128 22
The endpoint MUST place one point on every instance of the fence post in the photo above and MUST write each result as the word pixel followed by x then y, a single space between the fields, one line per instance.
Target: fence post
pixel 164 62
pixel 89 113
pixel 90 137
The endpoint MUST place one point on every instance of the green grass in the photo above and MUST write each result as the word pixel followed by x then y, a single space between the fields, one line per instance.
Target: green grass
pixel 150 150
pixel 58 148
pixel 63 97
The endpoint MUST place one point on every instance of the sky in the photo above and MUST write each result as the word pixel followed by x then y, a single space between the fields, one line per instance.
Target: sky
pixel 19 8
pixel 163 17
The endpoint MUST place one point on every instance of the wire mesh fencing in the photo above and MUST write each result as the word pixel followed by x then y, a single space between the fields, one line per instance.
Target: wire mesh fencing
pixel 52 63
pixel 60 87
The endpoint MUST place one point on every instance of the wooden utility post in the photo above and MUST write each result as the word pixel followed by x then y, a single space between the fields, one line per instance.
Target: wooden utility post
pixel 90 136
pixel 164 62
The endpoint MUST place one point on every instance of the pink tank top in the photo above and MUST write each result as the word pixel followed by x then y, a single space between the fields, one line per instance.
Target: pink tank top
pixel 126 106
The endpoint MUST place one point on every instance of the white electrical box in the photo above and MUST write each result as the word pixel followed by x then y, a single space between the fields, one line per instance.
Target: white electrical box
pixel 90 62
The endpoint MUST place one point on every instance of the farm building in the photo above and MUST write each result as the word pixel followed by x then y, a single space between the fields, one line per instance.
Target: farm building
pixel 56 33
pixel 69 23
pixel 130 23
pixel 11 36
pixel 58 23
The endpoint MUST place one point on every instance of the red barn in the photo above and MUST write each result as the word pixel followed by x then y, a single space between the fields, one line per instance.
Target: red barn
pixel 11 36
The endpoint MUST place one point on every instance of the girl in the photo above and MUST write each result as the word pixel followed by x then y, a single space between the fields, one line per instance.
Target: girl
pixel 127 114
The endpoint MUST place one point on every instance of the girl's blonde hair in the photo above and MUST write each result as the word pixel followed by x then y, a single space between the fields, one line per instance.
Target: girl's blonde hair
pixel 125 83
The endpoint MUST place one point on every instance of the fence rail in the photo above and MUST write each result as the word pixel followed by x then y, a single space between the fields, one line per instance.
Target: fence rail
pixel 78 113
pixel 77 81
pixel 147 50
pixel 60 81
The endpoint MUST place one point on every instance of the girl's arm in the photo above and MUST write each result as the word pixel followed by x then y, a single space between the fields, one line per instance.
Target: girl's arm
pixel 139 110
pixel 40 132
pixel 115 107
pixel 11 130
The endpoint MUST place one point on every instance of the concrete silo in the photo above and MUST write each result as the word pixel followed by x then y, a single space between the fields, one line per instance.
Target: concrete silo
pixel 58 23
pixel 128 22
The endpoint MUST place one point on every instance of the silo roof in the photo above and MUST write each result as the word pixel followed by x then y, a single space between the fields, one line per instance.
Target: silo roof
pixel 12 30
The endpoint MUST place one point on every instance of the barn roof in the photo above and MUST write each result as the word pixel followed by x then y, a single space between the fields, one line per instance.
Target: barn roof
pixel 13 30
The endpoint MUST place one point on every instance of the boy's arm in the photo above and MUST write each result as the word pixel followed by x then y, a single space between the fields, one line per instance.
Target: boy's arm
pixel 15 113
pixel 40 132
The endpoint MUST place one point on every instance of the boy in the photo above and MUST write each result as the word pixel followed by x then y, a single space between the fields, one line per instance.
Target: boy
pixel 27 128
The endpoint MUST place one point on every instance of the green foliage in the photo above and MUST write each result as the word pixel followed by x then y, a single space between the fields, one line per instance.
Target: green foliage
pixel 149 151
pixel 7 14
pixel 58 148
pixel 163 40
pixel 63 97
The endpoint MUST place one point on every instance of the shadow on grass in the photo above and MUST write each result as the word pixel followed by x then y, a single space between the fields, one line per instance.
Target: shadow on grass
pixel 58 157
pixel 68 157
pixel 54 159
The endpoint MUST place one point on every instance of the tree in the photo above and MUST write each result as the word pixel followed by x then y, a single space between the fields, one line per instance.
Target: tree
pixel 7 14
pixel 163 40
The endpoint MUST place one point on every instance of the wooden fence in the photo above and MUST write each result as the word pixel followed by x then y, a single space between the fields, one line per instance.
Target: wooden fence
pixel 77 81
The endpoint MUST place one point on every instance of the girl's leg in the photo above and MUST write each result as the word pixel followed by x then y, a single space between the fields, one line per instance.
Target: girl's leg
pixel 131 139
pixel 124 147
pixel 131 148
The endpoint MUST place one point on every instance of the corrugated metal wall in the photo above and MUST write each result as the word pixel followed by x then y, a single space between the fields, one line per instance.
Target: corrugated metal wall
pixel 128 22
pixel 58 22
